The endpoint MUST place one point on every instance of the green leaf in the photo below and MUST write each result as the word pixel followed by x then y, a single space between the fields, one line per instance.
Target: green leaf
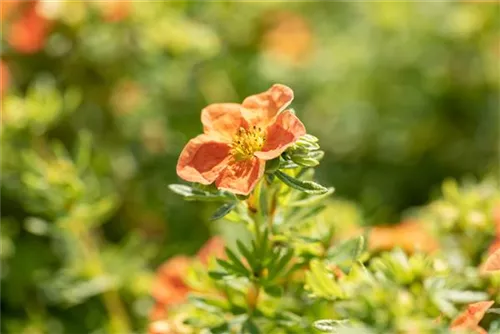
pixel 246 253
pixel 234 259
pixel 223 210
pixel 192 194
pixel 263 200
pixel 310 200
pixel 209 304
pixel 321 283
pixel 232 268
pixel 274 290
pixel 280 265
pixel 261 252
pixel 463 297
pixel 220 329
pixel 348 251
pixel 308 159
pixel 272 165
pixel 307 145
pixel 288 165
pixel 249 327
pixel 305 161
pixel 308 187
pixel 330 326
pixel 217 275
pixel 304 214
pixel 309 138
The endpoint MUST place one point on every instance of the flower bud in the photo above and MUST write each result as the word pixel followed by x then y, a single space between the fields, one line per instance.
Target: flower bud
pixel 252 296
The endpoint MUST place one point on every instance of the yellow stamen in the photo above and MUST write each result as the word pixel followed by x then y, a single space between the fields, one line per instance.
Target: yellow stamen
pixel 246 142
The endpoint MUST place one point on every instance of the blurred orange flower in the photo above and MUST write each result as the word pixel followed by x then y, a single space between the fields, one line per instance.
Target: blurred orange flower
pixel 213 248
pixel 4 77
pixel 470 318
pixel 289 38
pixel 116 10
pixel 496 243
pixel 169 287
pixel 238 139
pixel 492 262
pixel 409 235
pixel 28 32
pixel 6 8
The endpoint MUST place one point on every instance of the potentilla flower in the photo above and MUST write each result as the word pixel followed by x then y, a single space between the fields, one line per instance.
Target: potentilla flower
pixel 170 286
pixel 27 34
pixel 4 77
pixel 470 318
pixel 238 139
pixel 409 235
pixel 492 262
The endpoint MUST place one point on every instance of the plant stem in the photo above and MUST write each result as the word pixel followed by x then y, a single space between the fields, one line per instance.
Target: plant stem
pixel 119 321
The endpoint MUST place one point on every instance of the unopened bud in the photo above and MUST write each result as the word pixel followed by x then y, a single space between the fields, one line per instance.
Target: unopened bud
pixel 252 296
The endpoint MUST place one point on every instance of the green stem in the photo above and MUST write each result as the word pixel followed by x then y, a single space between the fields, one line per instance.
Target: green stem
pixel 119 321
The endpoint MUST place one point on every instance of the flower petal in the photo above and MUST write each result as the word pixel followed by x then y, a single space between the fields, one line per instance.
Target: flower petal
pixel 202 159
pixel 262 108
pixel 285 131
pixel 222 120
pixel 471 317
pixel 213 248
pixel 240 177
pixel 492 262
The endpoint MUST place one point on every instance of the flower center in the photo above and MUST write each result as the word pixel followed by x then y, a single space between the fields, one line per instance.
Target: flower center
pixel 246 142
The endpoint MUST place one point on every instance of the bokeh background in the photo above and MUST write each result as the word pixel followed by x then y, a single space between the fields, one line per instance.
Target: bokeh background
pixel 98 99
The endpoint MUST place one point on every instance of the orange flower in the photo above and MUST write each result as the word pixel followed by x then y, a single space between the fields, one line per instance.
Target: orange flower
pixel 409 235
pixel 492 262
pixel 114 11
pixel 289 39
pixel 4 77
pixel 169 287
pixel 238 139
pixel 212 248
pixel 496 243
pixel 28 33
pixel 470 318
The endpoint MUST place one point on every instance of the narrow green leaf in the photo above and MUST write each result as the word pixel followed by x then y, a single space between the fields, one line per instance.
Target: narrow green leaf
pixel 231 268
pixel 303 215
pixel 249 327
pixel 288 165
pixel 308 201
pixel 304 186
pixel 274 290
pixel 308 145
pixel 236 261
pixel 309 138
pixel 280 265
pixel 246 253
pixel 304 160
pixel 192 194
pixel 330 326
pixel 217 274
pixel 263 200
pixel 209 304
pixel 321 283
pixel 347 251
pixel 223 210
pixel 262 251
pixel 220 329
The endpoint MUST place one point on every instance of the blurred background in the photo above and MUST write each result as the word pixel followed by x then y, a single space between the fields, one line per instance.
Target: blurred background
pixel 99 98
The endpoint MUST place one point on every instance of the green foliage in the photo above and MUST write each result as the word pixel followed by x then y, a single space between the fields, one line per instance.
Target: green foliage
pixel 400 97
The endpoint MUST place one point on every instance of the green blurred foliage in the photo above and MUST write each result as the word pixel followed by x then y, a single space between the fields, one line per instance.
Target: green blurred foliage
pixel 401 96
